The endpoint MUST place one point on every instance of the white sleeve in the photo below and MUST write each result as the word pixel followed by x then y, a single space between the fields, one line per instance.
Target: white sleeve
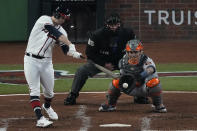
pixel 42 21
pixel 45 20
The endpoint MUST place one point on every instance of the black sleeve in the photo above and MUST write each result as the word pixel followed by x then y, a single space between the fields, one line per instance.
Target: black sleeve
pixel 93 54
pixel 53 32
pixel 64 48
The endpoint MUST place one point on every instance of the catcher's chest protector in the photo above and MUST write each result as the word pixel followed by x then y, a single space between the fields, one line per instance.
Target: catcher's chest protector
pixel 129 69
pixel 130 73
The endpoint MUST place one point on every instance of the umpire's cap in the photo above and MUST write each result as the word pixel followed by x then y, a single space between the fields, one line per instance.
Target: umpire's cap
pixel 62 11
pixel 113 19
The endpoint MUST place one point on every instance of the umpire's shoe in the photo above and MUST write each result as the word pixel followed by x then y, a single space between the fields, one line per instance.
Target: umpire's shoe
pixel 71 99
pixel 106 108
pixel 141 100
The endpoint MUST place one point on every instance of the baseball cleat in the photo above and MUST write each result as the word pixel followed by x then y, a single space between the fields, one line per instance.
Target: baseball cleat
pixel 159 109
pixel 43 122
pixel 71 99
pixel 106 108
pixel 51 113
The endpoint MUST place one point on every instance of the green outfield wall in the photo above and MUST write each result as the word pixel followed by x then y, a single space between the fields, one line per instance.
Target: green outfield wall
pixel 13 20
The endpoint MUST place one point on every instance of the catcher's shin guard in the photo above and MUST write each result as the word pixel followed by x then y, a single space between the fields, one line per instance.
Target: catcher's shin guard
pixel 157 100
pixel 154 87
pixel 113 95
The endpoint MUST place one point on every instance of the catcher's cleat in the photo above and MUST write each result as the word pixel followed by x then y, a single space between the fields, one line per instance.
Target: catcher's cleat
pixel 43 122
pixel 51 113
pixel 70 100
pixel 159 109
pixel 141 100
pixel 106 108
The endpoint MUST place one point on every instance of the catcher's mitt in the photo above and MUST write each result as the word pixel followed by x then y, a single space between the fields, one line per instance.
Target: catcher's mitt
pixel 130 80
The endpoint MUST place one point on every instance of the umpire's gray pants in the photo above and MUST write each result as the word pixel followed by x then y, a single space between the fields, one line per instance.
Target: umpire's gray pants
pixel 81 75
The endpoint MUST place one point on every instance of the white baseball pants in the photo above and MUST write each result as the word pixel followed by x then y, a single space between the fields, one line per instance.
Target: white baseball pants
pixel 39 71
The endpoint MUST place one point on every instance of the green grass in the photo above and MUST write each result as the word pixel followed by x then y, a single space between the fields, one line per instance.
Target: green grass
pixel 179 83
pixel 13 89
pixel 11 67
pixel 168 84
pixel 176 67
pixel 71 67
pixel 91 85
pixel 64 85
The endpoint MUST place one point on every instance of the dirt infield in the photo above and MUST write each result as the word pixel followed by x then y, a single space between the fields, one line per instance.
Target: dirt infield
pixel 17 115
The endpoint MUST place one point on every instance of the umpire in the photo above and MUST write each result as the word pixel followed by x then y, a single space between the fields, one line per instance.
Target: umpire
pixel 105 47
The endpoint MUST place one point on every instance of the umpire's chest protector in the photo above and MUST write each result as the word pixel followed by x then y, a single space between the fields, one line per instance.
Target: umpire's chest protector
pixel 112 45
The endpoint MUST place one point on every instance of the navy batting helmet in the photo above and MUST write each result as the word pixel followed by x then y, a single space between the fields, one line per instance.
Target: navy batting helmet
pixel 113 19
pixel 62 11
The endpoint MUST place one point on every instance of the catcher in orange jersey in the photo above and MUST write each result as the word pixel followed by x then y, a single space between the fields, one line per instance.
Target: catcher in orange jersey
pixel 138 77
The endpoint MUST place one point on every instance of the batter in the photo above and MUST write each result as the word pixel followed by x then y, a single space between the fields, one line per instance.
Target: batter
pixel 38 67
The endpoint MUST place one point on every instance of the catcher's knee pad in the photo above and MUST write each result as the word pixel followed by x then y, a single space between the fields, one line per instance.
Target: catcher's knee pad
pixel 154 87
pixel 115 83
pixel 152 83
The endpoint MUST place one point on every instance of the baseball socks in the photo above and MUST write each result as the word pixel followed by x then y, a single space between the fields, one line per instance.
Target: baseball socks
pixel 35 103
pixel 49 110
pixel 47 103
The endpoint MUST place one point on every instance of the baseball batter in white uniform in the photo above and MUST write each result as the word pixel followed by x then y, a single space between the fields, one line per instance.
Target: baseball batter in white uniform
pixel 38 67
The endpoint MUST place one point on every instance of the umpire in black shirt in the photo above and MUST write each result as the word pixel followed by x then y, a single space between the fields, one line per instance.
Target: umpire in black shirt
pixel 105 47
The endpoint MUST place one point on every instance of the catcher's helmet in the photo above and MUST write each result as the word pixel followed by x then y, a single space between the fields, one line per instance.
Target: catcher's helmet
pixel 62 11
pixel 134 45
pixel 113 19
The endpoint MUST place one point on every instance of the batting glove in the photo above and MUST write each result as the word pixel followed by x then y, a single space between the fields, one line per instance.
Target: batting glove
pixel 72 47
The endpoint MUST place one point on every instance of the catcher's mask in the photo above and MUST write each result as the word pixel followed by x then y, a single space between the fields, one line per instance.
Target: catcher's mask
pixel 134 50
pixel 63 12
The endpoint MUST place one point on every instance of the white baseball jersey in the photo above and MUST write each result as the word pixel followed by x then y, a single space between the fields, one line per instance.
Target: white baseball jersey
pixel 40 43
pixel 40 71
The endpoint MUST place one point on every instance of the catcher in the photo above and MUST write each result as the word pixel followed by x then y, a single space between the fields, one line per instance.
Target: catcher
pixel 138 77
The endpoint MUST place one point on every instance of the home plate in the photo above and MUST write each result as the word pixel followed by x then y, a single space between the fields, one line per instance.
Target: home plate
pixel 115 125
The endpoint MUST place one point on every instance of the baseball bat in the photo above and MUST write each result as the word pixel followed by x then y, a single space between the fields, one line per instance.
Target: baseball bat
pixel 103 69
